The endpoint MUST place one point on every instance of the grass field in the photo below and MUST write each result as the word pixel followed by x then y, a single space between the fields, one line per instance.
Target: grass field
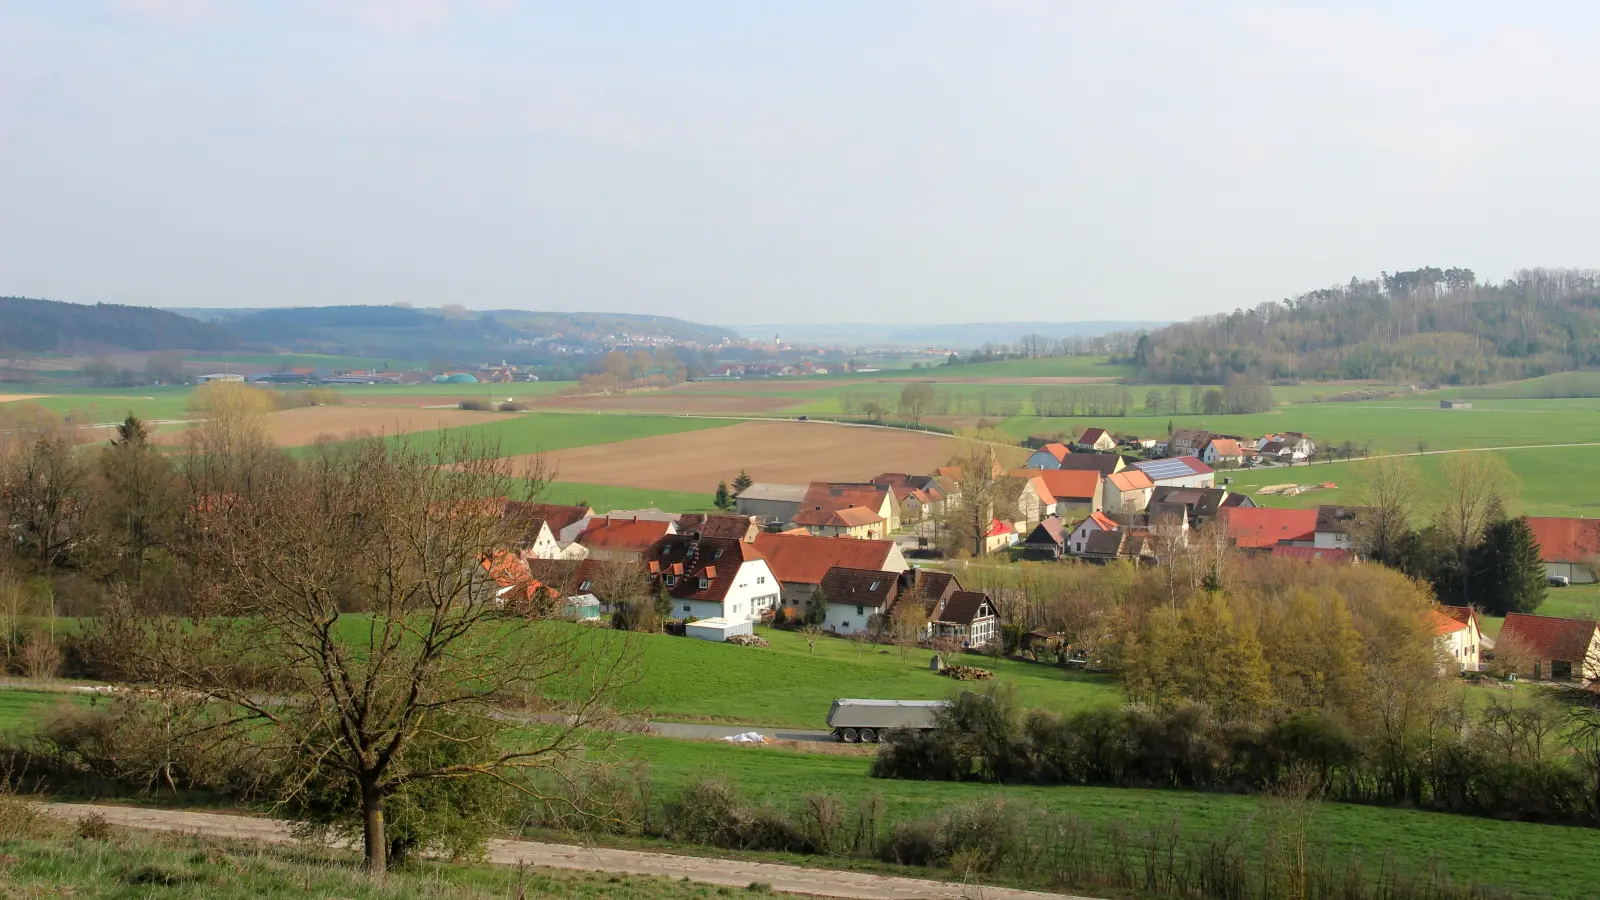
pixel 21 709
pixel 133 864
pixel 791 686
pixel 1534 860
pixel 1554 481
pixel 1047 367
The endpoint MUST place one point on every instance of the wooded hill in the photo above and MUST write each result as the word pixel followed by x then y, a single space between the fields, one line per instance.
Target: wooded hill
pixel 1427 324
pixel 29 326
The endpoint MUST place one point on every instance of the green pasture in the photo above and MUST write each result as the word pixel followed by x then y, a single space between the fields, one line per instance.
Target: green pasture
pixel 22 708
pixel 1561 384
pixel 102 406
pixel 1534 860
pixel 1046 367
pixel 788 685
pixel 607 497
pixel 516 390
pixel 1552 481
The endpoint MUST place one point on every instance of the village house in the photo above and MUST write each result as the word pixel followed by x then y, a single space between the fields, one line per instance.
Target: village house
pixel 1125 543
pixel 1259 528
pixel 1078 538
pixel 564 522
pixel 823 496
pixel 1076 493
pixel 1340 527
pixel 1001 534
pixel 1126 493
pixel 623 540
pixel 968 617
pixel 1187 442
pixel 851 522
pixel 1096 440
pixel 1291 444
pixel 1050 456
pixel 1223 451
pixel 800 561
pixel 739 528
pixel 856 597
pixel 1100 463
pixel 1544 647
pixel 1201 504
pixel 1570 548
pixel 517 582
pixel 1024 492
pixel 714 578
pixel 774 504
pixel 1048 539
pixel 919 496
pixel 1456 632
pixel 1178 471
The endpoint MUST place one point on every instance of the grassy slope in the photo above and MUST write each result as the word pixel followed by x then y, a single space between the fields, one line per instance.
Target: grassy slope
pixel 1547 860
pixel 141 865
pixel 787 685
pixel 1049 367
pixel 1555 481
pixel 607 497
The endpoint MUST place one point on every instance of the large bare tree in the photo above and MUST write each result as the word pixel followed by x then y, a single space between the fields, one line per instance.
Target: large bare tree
pixel 1477 487
pixel 1388 489
pixel 357 615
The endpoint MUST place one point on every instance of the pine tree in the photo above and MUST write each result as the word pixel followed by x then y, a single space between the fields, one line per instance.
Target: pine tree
pixel 722 500
pixel 817 608
pixel 1509 575
pixel 742 483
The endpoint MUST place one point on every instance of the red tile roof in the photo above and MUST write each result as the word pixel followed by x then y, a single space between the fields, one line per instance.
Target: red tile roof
pixel 687 560
pixel 1102 520
pixel 1566 540
pixel 556 515
pixel 1059 451
pixel 997 528
pixel 1091 435
pixel 1130 480
pixel 1443 624
pixel 1226 447
pixel 1067 484
pixel 1547 638
pixel 1042 490
pixel 803 559
pixel 1261 527
pixel 1463 614
pixel 622 534
pixel 850 517
pixel 736 527
pixel 828 497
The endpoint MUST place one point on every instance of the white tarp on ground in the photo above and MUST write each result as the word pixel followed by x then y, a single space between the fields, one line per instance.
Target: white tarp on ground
pixel 749 737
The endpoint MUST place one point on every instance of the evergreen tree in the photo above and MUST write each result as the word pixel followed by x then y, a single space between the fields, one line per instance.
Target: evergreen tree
pixel 742 483
pixel 722 500
pixel 1507 570
pixel 817 608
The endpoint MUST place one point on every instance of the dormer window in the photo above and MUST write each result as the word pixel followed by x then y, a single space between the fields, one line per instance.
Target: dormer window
pixel 704 583
pixel 717 554
pixel 874 587
pixel 586 585
pixel 672 580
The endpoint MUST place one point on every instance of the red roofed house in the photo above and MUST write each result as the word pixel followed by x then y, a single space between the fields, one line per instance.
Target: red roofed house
pixel 822 496
pixel 537 519
pixel 1049 456
pixel 1221 451
pixel 1570 548
pixel 999 536
pixel 714 577
pixel 918 495
pixel 968 616
pixel 623 540
pixel 851 522
pixel 1546 647
pixel 1258 527
pixel 801 561
pixel 1096 440
pixel 1090 524
pixel 1126 493
pixel 1314 555
pixel 740 528
pixel 1076 491
pixel 1455 630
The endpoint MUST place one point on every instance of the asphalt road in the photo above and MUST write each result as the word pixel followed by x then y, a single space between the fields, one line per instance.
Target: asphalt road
pixel 707 870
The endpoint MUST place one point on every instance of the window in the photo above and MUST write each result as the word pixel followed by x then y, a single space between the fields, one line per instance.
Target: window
pixel 761 579
pixel 718 554
pixel 585 586
pixel 704 582
pixel 861 610
pixel 672 580
pixel 686 607
pixel 874 586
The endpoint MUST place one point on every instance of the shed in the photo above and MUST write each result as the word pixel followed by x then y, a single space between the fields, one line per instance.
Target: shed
pixel 718 629
pixel 1454 404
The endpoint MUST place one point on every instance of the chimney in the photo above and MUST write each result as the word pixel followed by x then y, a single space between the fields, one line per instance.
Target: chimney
pixel 635 520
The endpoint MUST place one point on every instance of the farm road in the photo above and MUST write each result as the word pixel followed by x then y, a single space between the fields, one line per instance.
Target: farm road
pixel 726 872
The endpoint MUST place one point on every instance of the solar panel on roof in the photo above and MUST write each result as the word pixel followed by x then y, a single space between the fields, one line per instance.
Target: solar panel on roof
pixel 1164 468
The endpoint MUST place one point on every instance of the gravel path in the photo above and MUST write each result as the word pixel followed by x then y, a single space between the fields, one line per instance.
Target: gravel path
pixel 726 872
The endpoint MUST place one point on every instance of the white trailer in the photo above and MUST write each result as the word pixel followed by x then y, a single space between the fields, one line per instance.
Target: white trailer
pixel 867 721
pixel 718 629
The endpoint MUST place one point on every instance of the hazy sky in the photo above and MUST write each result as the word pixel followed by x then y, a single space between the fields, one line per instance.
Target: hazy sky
pixel 764 161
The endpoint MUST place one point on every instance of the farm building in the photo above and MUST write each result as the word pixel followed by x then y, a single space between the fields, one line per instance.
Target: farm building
pixel 1570 548
pixel 1454 404
pixel 1179 471
pixel 220 377
pixel 1126 492
pixel 1546 647
pixel 774 503
pixel 714 578
pixel 801 561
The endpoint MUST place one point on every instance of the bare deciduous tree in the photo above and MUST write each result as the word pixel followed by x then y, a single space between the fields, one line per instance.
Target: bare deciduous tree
pixel 1388 489
pixel 1476 485
pixel 444 655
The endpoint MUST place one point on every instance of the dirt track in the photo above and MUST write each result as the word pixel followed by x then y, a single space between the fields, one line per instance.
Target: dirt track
pixel 783 452
pixel 731 873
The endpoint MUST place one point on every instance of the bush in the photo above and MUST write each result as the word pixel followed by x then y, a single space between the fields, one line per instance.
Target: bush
pixel 514 406
pixel 476 405
pixel 975 837
pixel 94 827
pixel 713 811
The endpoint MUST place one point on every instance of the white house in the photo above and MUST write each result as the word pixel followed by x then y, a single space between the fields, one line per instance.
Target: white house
pixel 1292 444
pixel 1096 440
pixel 967 616
pixel 1455 630
pixel 856 597
pixel 1221 451
pixel 1080 532
pixel 1179 471
pixel 713 578
pixel 1338 527
pixel 1570 548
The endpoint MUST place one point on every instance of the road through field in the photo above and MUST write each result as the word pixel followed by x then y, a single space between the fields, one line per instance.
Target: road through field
pixel 726 872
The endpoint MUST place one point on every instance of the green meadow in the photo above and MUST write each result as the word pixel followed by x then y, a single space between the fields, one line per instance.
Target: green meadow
pixel 607 497
pixel 1046 367
pixel 790 685
pixel 1533 860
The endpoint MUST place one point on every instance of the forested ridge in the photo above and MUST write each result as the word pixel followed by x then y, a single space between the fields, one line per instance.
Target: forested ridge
pixel 49 326
pixel 1426 324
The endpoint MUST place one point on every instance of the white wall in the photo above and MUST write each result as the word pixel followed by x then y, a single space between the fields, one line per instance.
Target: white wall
pixel 1079 535
pixel 544 546
pixel 844 618
pixel 1576 573
pixel 1209 479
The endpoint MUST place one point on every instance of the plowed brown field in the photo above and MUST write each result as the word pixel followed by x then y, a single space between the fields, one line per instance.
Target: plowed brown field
pixel 785 452
pixel 302 427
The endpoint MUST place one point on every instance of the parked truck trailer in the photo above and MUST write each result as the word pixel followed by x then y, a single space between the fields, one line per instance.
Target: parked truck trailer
pixel 867 721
